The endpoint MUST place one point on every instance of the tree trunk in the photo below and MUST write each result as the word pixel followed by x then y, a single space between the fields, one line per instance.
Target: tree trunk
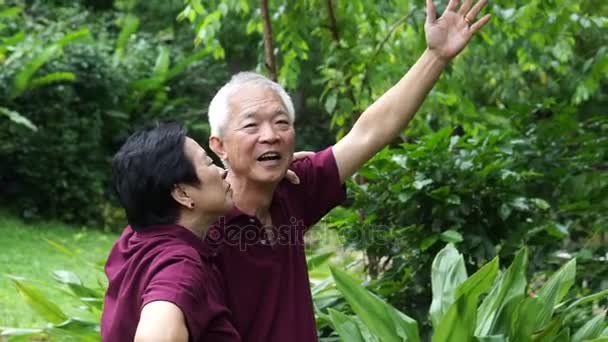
pixel 268 48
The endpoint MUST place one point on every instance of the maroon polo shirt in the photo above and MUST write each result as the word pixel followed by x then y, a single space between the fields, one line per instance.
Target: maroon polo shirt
pixel 267 285
pixel 166 263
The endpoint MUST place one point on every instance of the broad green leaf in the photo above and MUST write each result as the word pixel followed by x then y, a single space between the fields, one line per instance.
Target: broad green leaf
pixel 373 311
pixel 510 287
pixel 18 118
pixel 451 236
pixel 406 327
pixel 561 282
pixel 318 260
pixel 480 281
pixel 591 329
pixel 553 291
pixel 331 101
pixel 588 299
pixel 564 336
pixel 345 326
pixel 75 284
pixel 77 329
pixel 37 301
pixel 447 273
pixel 458 323
pixel 531 312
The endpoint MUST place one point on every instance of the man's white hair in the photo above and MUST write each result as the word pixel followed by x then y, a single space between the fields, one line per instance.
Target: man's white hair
pixel 219 108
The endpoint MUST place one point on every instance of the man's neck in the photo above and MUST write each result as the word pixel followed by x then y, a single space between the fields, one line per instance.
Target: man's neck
pixel 252 198
pixel 196 224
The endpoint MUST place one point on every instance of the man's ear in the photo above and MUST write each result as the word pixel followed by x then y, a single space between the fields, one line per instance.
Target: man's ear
pixel 180 195
pixel 217 146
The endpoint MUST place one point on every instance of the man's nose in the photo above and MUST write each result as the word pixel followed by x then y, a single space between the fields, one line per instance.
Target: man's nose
pixel 268 134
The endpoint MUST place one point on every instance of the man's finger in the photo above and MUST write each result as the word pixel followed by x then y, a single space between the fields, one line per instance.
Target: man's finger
pixel 302 154
pixel 431 12
pixel 480 23
pixel 476 9
pixel 292 177
pixel 452 5
pixel 466 6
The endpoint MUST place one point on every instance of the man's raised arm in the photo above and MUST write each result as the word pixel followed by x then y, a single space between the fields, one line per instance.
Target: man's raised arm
pixel 391 113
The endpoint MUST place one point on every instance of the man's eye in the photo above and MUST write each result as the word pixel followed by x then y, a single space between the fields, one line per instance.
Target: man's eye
pixel 283 122
pixel 250 125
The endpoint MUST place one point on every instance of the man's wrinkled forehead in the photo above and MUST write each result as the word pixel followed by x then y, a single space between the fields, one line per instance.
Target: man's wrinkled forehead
pixel 247 100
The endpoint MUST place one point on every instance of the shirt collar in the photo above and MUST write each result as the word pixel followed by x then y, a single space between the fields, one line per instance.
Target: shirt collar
pixel 181 233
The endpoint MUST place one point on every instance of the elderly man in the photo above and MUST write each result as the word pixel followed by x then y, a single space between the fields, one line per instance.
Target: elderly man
pixel 260 246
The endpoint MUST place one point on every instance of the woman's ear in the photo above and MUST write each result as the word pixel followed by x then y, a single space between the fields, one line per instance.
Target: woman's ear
pixel 180 195
pixel 217 146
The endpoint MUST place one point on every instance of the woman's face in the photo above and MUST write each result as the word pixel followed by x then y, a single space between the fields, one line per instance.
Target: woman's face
pixel 213 195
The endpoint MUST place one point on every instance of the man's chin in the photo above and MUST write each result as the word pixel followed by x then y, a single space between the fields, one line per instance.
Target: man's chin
pixel 269 177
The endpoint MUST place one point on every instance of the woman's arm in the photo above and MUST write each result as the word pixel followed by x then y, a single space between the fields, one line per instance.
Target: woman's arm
pixel 161 321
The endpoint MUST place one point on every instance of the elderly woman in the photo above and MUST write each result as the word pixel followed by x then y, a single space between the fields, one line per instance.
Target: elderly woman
pixel 162 285
pixel 260 242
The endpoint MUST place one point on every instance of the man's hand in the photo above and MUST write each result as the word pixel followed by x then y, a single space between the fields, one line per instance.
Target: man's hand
pixel 449 34
pixel 290 175
pixel 391 113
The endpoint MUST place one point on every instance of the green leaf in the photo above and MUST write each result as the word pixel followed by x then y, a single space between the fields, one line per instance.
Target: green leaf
pixel 510 287
pixel 447 273
pixel 557 287
pixel 345 326
pixel 76 329
pixel 377 315
pixel 458 324
pixel 10 12
pixel 429 241
pixel 59 247
pixel 451 236
pixel 59 76
pixel 531 312
pixel 493 338
pixel 331 101
pixel 18 118
pixel 37 301
pixel 22 79
pixel 591 329
pixel 73 36
pixel 318 260
pixel 129 25
pixel 480 281
pixel 588 299
pixel 161 67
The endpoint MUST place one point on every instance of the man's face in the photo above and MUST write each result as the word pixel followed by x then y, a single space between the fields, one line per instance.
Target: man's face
pixel 259 137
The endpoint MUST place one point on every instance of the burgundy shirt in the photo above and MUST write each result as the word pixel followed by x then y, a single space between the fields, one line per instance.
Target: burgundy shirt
pixel 267 285
pixel 167 263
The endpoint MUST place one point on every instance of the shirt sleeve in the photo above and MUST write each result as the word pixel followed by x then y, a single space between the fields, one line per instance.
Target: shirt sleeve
pixel 181 279
pixel 320 189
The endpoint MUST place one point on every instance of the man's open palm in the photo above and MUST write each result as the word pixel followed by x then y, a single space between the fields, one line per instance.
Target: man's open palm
pixel 447 35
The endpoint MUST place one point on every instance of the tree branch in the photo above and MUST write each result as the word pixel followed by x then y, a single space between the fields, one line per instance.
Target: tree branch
pixel 391 31
pixel 333 24
pixel 268 48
